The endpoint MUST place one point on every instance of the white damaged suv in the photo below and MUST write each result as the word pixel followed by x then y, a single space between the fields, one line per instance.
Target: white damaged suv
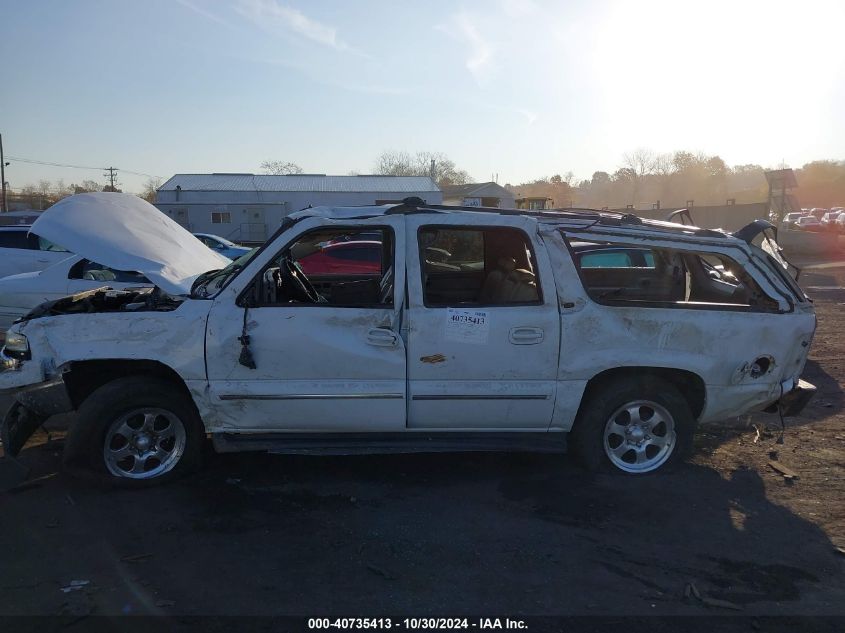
pixel 469 329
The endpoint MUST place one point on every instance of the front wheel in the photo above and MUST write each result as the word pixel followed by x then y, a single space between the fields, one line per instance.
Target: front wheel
pixel 633 426
pixel 136 431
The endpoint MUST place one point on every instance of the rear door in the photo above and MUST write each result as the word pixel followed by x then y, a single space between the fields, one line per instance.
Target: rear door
pixel 483 336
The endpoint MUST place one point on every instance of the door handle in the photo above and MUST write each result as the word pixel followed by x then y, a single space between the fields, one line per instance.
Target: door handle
pixel 382 337
pixel 525 335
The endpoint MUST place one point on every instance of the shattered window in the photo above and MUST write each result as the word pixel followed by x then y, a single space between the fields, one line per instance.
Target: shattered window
pixel 477 266
pixel 617 274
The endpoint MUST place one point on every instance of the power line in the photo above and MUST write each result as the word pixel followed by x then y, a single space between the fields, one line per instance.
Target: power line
pixel 51 164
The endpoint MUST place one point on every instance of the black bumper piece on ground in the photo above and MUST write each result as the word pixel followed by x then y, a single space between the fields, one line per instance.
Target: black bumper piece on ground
pixel 33 405
pixel 793 402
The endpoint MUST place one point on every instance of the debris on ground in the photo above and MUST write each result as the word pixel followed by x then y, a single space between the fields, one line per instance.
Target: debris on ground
pixel 691 591
pixel 75 585
pixel 136 558
pixel 381 572
pixel 787 472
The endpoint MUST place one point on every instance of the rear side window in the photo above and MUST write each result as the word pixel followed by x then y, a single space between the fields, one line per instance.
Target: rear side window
pixel 617 258
pixel 13 239
pixel 615 274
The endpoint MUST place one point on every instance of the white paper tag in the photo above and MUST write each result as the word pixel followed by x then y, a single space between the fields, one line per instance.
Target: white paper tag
pixel 467 326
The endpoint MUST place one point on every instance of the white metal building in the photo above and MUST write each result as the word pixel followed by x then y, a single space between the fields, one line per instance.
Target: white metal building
pixel 249 207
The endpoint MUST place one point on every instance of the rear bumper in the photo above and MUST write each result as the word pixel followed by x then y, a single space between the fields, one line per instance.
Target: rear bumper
pixel 793 401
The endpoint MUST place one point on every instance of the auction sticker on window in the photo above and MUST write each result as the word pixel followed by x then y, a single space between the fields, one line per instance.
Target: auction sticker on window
pixel 467 326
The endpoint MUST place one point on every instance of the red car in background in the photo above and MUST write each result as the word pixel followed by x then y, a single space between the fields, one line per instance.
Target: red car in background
pixel 344 258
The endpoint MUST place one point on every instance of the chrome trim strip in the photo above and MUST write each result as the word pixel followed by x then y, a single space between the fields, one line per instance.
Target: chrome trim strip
pixel 313 396
pixel 492 397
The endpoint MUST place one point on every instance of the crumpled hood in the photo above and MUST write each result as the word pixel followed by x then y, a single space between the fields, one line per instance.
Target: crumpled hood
pixel 124 232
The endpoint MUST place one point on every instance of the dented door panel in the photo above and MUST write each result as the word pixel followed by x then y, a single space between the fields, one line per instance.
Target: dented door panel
pixel 317 367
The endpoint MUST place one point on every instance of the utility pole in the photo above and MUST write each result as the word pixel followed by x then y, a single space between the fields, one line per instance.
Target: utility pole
pixel 111 174
pixel 3 205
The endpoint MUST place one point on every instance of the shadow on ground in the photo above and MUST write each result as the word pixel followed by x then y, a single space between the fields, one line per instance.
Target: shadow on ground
pixel 418 534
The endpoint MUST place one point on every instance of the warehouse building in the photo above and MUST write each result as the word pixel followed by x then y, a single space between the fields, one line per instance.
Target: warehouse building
pixel 250 207
pixel 479 194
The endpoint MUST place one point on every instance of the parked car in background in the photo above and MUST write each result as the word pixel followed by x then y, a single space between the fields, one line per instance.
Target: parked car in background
pixel 221 245
pixel 840 223
pixel 516 342
pixel 361 257
pixel 22 251
pixel 22 292
pixel 828 219
pixel 808 223
pixel 790 219
pixel 818 212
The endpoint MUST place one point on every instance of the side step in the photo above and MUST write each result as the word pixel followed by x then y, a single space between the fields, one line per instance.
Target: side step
pixel 382 443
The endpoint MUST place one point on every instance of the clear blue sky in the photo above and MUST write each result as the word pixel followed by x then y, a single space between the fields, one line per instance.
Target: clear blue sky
pixel 521 88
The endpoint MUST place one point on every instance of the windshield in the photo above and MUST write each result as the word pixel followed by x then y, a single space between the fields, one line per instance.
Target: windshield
pixel 208 284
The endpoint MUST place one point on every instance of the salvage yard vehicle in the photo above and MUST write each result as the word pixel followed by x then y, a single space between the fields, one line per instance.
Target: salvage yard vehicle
pixel 225 247
pixel 526 330
pixel 22 251
pixel 19 294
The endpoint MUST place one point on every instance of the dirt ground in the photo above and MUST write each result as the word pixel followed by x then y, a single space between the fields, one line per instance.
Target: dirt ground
pixel 456 534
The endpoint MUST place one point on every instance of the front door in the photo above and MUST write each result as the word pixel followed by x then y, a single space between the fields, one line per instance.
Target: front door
pixel 330 362
pixel 483 324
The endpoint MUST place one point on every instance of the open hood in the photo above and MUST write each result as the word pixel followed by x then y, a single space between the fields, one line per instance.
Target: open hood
pixel 124 232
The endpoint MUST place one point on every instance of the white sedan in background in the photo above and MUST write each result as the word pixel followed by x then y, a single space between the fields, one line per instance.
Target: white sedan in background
pixel 22 292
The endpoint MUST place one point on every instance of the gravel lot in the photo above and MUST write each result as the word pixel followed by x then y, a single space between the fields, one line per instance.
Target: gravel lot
pixel 455 534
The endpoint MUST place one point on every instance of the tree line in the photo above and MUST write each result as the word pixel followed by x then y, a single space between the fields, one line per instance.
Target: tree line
pixel 643 179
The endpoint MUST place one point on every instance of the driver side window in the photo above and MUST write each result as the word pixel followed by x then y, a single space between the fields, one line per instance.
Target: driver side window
pixel 340 267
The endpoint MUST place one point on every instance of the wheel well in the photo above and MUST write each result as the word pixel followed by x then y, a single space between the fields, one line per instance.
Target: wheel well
pixel 83 377
pixel 690 385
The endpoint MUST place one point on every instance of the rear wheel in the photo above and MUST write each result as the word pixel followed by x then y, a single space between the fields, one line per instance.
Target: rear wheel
pixel 633 426
pixel 136 431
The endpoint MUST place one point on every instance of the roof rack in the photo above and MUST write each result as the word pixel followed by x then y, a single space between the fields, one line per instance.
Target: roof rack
pixel 415 204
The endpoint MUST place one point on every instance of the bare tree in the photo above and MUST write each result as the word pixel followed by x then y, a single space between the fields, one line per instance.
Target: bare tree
pixel 640 162
pixel 87 186
pixel 280 168
pixel 150 189
pixel 444 172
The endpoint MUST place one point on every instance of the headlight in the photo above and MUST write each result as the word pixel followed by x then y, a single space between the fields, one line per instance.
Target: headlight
pixel 16 346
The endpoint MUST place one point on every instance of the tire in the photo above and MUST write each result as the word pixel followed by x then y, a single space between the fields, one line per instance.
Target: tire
pixel 153 430
pixel 633 426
